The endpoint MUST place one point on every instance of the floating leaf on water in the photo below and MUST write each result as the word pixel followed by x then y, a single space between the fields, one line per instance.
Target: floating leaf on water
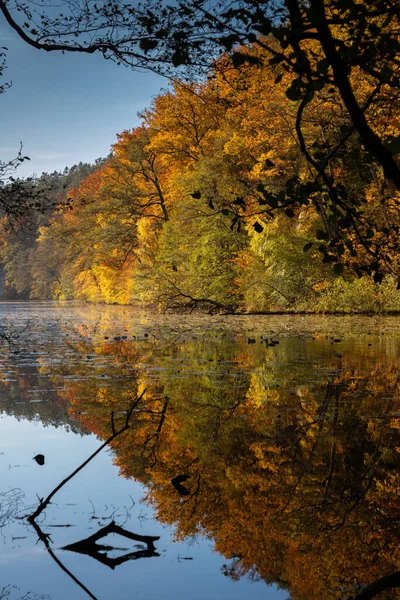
pixel 39 459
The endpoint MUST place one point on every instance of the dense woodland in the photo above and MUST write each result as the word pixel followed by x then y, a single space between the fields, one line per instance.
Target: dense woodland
pixel 192 210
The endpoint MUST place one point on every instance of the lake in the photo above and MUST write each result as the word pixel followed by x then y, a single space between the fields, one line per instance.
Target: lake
pixel 261 458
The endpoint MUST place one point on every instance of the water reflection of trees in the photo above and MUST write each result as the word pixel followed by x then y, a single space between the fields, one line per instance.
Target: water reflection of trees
pixel 17 381
pixel 292 465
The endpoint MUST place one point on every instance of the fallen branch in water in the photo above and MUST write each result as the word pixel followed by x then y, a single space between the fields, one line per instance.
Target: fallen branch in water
pixel 12 334
pixel 112 527
pixel 115 433
pixel 184 302
pixel 90 547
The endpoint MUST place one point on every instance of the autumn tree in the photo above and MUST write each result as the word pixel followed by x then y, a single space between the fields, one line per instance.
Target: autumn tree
pixel 319 48
pixel 193 211
pixel 136 175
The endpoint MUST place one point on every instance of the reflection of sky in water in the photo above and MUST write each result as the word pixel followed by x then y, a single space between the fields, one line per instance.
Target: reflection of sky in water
pixel 97 488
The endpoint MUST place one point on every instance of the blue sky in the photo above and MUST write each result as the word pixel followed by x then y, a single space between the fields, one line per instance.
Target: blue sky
pixel 66 108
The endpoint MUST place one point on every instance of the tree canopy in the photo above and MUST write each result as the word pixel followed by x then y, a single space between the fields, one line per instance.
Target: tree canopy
pixel 320 41
pixel 322 51
pixel 192 210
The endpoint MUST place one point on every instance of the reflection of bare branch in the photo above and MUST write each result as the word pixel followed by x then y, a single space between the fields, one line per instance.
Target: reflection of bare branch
pixel 334 444
pixel 90 547
pixel 45 502
pixel 6 591
pixel 194 495
pixel 150 445
pixel 320 420
pixel 44 537
pixel 9 505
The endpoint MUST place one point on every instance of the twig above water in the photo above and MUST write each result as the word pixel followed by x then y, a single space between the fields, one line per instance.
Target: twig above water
pixel 44 502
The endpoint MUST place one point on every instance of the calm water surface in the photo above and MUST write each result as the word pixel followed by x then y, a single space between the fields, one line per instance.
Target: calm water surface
pixel 267 470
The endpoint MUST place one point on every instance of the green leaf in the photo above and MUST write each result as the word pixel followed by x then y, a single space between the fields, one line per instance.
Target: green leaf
pixel 345 222
pixel 265 26
pixel 329 258
pixel 229 40
pixel 239 202
pixel 258 227
pixel 276 60
pixel 180 57
pixel 393 144
pixel 239 59
pixel 196 195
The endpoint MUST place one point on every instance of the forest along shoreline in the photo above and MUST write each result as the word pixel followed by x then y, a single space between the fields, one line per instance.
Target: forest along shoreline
pixel 193 210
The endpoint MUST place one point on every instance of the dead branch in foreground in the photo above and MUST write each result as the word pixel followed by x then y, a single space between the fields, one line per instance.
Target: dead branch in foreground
pixel 89 546
pixel 115 433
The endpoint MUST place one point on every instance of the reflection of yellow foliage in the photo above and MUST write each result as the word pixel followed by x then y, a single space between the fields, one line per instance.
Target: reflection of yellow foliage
pixel 291 474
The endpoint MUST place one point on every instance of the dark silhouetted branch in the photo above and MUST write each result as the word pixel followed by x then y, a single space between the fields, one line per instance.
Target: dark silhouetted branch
pixel 90 547
pixel 378 586
pixel 115 433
